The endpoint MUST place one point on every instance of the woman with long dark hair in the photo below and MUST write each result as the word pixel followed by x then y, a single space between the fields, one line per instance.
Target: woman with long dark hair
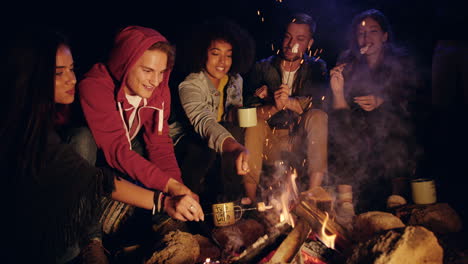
pixel 55 194
pixel 369 118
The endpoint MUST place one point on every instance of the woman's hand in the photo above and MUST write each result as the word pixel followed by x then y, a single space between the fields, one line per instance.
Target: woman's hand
pixel 241 154
pixel 368 102
pixel 337 79
pixel 337 87
pixel 183 208
pixel 242 165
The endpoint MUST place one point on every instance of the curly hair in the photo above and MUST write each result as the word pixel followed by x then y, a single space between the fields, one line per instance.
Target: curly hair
pixel 243 49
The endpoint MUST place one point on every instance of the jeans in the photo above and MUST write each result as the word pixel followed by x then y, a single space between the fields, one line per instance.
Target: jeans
pixel 209 174
pixel 308 144
pixel 82 141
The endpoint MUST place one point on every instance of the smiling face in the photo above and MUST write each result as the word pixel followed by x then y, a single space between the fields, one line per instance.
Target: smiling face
pixel 65 79
pixel 369 33
pixel 296 35
pixel 146 74
pixel 219 60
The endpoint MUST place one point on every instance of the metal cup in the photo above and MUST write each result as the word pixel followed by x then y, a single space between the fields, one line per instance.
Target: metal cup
pixel 224 214
pixel 423 191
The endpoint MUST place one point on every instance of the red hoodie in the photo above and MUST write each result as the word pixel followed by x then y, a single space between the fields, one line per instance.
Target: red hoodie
pixel 107 112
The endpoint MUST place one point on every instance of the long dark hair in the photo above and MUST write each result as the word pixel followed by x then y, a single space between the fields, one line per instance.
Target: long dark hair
pixel 28 108
pixel 352 55
pixel 376 15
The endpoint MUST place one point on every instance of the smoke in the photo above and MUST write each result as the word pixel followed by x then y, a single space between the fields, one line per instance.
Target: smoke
pixel 369 149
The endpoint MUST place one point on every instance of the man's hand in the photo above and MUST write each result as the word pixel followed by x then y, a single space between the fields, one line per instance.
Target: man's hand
pixel 282 97
pixel 261 92
pixel 183 208
pixel 175 188
pixel 369 102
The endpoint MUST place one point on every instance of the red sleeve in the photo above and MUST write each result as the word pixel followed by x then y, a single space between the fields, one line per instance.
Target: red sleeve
pixel 107 126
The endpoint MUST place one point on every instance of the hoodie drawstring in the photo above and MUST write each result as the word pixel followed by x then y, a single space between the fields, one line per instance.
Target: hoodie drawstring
pixel 160 119
pixel 119 104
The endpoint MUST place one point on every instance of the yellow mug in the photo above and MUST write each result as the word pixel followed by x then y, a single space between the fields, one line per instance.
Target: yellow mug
pixel 224 214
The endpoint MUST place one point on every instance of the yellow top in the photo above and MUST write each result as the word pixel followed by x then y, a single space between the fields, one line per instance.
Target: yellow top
pixel 222 84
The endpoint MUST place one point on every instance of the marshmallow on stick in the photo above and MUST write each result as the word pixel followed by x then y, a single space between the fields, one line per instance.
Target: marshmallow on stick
pixel 364 49
pixel 261 207
pixel 295 48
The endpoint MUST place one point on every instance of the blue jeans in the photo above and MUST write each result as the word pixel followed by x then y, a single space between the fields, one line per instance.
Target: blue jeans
pixel 82 141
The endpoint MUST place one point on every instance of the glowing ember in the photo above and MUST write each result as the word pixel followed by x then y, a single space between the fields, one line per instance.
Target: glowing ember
pixel 323 98
pixel 328 240
pixel 208 260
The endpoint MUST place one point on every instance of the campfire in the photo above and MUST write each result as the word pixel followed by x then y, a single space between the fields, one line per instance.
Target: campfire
pixel 304 232
pixel 313 234
pixel 302 228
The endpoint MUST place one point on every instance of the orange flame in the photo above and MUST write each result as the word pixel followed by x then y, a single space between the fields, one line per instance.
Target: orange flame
pixel 328 240
pixel 291 193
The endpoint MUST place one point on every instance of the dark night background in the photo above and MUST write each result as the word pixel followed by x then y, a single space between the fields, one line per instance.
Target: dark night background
pixel 418 25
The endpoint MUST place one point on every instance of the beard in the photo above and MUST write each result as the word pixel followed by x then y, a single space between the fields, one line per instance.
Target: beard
pixel 294 58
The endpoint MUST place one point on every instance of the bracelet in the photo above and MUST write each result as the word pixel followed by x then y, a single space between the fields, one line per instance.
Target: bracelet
pixel 158 202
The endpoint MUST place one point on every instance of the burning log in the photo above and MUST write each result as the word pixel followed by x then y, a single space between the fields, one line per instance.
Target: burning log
pixel 293 242
pixel 253 252
pixel 315 217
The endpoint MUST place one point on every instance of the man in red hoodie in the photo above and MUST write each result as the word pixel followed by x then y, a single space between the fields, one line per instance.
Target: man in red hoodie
pixel 129 96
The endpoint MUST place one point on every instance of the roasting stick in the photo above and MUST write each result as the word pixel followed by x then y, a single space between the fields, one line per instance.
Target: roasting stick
pixel 295 49
pixel 261 207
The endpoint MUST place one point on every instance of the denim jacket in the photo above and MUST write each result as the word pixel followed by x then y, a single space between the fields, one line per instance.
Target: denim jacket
pixel 200 101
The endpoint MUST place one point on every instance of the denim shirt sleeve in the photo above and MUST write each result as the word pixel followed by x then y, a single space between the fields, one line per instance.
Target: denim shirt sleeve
pixel 198 102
